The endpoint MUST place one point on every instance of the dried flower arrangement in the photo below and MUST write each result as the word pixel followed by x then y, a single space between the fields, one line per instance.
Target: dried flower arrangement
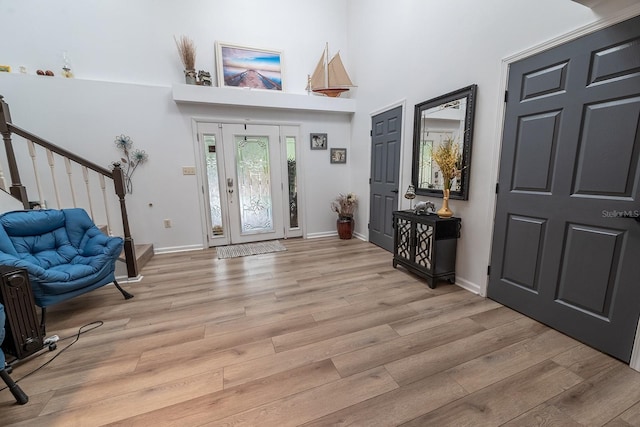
pixel 448 157
pixel 345 205
pixel 131 160
pixel 187 52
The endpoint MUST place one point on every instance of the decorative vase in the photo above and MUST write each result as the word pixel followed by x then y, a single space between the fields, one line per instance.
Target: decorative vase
pixel 444 211
pixel 345 227
pixel 190 77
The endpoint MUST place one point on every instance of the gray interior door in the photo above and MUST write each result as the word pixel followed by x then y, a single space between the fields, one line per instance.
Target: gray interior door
pixel 385 166
pixel 566 244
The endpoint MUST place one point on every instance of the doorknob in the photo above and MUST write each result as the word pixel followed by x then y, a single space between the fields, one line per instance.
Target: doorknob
pixel 395 191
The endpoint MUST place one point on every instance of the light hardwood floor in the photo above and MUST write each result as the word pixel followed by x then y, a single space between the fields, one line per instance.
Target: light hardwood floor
pixel 326 333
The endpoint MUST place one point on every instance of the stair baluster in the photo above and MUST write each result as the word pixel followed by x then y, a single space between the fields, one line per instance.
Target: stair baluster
pixel 85 176
pixel 103 187
pixel 67 163
pixel 36 173
pixel 3 181
pixel 52 166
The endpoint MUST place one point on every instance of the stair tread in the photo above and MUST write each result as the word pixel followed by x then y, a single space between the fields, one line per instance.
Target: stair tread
pixel 144 252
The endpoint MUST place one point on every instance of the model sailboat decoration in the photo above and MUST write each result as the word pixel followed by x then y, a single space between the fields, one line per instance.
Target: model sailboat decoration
pixel 330 77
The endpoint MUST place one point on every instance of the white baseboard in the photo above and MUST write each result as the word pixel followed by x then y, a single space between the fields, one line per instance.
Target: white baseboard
pixel 469 286
pixel 361 237
pixel 334 234
pixel 321 234
pixel 125 279
pixel 174 249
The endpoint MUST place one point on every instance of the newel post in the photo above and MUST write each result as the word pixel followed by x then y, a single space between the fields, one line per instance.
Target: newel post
pixel 129 248
pixel 17 190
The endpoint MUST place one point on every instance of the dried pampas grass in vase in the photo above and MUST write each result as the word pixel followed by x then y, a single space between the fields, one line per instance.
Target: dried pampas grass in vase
pixel 187 52
pixel 447 157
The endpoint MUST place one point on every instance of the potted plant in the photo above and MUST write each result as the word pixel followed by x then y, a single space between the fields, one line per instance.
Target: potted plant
pixel 447 157
pixel 345 206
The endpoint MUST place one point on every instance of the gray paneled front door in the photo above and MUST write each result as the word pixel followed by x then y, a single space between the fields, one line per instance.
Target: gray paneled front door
pixel 565 251
pixel 385 167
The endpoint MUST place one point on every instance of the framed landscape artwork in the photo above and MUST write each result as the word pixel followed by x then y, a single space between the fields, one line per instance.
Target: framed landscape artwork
pixel 248 67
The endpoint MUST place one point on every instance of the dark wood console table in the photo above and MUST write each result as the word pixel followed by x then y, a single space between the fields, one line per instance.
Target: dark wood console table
pixel 426 245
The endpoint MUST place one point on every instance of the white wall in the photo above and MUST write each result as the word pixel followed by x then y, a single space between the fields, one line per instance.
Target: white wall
pixel 9 203
pixel 132 41
pixel 125 61
pixel 416 50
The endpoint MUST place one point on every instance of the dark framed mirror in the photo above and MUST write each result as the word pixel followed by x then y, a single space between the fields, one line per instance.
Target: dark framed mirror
pixel 446 118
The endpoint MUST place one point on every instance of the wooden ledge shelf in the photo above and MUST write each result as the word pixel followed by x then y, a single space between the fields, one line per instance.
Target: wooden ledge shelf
pixel 207 95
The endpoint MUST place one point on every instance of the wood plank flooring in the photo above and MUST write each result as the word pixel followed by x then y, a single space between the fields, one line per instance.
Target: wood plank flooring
pixel 324 334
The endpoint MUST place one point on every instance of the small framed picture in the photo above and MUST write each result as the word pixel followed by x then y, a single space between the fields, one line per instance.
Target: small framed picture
pixel 5 68
pixel 318 141
pixel 338 155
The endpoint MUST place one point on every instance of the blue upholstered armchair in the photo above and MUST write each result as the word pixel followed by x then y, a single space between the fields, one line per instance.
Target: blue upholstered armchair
pixel 63 251
pixel 15 389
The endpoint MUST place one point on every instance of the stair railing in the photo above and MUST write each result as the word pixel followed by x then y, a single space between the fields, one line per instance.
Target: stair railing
pixel 19 191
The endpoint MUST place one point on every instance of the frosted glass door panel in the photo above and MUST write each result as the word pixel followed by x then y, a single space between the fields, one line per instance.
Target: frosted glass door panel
pixel 292 181
pixel 254 184
pixel 215 209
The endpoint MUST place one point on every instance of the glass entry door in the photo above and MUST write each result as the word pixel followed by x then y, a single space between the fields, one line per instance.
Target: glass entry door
pixel 243 168
pixel 254 194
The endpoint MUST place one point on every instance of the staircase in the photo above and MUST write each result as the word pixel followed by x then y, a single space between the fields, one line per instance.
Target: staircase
pixel 143 252
pixel 78 173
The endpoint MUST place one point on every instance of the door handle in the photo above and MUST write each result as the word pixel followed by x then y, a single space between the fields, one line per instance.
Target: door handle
pixel 395 191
